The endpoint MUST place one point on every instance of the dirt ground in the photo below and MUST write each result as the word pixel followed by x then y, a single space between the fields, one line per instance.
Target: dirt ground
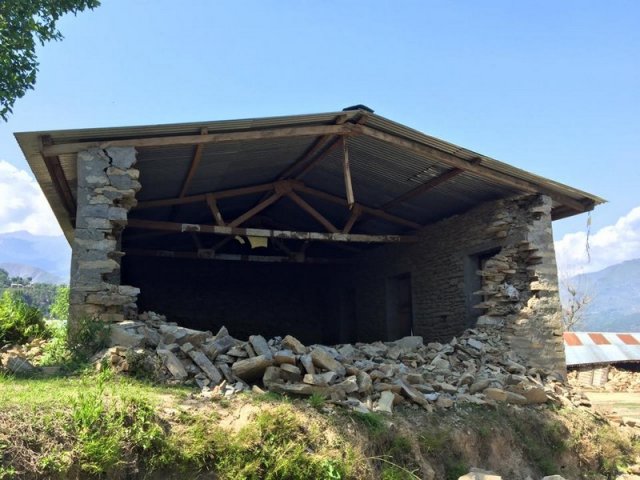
pixel 620 404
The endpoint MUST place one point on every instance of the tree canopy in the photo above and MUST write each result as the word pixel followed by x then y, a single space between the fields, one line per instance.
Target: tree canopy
pixel 22 22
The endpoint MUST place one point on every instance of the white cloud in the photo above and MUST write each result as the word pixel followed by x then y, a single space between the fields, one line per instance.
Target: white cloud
pixel 23 205
pixel 609 245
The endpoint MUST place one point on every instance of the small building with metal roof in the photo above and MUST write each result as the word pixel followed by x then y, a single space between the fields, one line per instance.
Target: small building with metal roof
pixel 334 227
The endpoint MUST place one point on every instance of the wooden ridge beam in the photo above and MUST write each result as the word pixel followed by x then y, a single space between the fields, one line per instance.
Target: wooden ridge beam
pixel 204 254
pixel 261 232
pixel 365 209
pixel 172 140
pixel 426 186
pixel 473 167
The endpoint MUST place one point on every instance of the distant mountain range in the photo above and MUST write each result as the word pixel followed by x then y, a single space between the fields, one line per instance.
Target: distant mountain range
pixel 44 258
pixel 615 298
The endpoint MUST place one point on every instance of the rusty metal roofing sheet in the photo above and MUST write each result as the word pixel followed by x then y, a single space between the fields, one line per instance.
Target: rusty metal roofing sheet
pixel 381 172
pixel 584 348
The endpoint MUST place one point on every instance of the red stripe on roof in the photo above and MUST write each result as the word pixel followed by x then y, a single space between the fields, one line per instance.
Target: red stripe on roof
pixel 598 339
pixel 571 339
pixel 628 339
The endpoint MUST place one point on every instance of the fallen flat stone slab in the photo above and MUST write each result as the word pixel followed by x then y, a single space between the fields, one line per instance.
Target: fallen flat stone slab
pixel 307 363
pixel 496 394
pixel 126 337
pixel 260 346
pixel 412 394
pixel 322 359
pixel 479 385
pixel 293 344
pixel 219 346
pixel 284 356
pixel 299 389
pixel 172 363
pixel 320 379
pixel 409 343
pixel 290 373
pixel 207 367
pixel 385 402
pixel 252 368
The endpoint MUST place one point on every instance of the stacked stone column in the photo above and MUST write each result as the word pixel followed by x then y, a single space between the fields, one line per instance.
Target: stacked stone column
pixel 520 283
pixel 107 186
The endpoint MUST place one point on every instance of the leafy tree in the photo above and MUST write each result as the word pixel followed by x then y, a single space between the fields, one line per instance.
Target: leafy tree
pixel 60 307
pixel 4 279
pixel 22 22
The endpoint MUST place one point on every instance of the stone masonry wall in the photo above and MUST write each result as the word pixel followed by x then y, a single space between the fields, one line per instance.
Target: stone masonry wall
pixel 518 288
pixel 107 185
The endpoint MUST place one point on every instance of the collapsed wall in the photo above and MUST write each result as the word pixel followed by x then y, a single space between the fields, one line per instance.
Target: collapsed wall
pixel 493 265
pixel 107 186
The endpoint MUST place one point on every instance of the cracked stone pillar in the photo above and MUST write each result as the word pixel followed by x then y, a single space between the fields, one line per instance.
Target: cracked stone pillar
pixel 107 186
pixel 520 283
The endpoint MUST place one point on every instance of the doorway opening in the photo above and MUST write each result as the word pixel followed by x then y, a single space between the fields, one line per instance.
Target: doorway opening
pixel 399 307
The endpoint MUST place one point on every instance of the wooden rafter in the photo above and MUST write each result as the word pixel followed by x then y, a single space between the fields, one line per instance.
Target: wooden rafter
pixel 203 254
pixel 170 140
pixel 356 211
pixel 365 209
pixel 312 211
pixel 475 167
pixel 314 150
pixel 261 232
pixel 234 192
pixel 59 179
pixel 255 210
pixel 426 186
pixel 195 162
pixel 215 211
pixel 348 185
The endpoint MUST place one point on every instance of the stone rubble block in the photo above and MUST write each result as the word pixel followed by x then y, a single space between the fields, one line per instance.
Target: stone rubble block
pixel 476 367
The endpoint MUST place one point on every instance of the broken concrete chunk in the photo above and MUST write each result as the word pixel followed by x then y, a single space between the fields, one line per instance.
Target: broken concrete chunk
pixel 260 346
pixel 172 363
pixel 293 344
pixel 207 367
pixel 284 356
pixel 251 368
pixel 325 361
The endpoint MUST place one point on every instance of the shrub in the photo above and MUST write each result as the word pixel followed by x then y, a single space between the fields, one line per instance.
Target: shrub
pixel 19 322
pixel 60 307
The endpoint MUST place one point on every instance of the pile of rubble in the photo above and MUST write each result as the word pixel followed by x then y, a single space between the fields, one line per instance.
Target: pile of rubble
pixel 617 380
pixel 473 368
pixel 20 359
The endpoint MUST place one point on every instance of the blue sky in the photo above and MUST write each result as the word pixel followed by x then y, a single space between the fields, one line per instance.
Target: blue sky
pixel 551 87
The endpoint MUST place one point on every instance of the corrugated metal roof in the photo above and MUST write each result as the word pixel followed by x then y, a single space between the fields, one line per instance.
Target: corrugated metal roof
pixel 585 348
pixel 381 171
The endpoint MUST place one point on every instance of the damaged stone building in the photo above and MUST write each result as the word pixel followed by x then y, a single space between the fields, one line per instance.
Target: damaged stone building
pixel 334 228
